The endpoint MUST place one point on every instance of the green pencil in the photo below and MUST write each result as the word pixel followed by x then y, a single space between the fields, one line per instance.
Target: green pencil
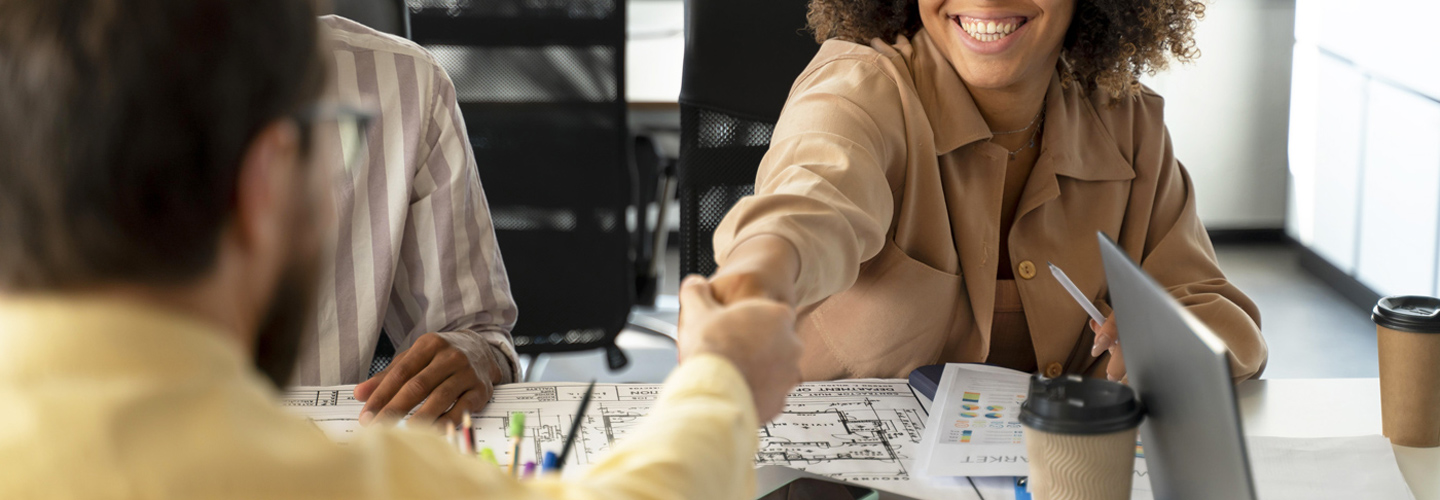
pixel 517 434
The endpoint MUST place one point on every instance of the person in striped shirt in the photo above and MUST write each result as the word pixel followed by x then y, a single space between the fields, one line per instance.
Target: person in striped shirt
pixel 415 264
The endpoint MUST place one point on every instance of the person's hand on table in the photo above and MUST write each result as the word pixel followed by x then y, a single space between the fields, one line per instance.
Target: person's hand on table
pixel 757 335
pixel 1107 338
pixel 433 372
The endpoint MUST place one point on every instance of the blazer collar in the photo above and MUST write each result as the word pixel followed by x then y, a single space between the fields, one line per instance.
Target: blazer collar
pixel 1076 142
pixel 952 113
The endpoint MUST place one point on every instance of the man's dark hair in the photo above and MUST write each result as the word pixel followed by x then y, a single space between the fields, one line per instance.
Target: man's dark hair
pixel 123 124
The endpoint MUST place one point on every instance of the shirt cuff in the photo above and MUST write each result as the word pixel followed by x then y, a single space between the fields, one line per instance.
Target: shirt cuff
pixel 811 285
pixel 715 376
pixel 484 349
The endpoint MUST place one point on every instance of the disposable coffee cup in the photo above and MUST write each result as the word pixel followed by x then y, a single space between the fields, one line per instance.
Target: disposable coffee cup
pixel 1407 328
pixel 1080 438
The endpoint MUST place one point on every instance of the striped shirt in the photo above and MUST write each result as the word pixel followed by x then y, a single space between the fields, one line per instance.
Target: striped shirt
pixel 415 250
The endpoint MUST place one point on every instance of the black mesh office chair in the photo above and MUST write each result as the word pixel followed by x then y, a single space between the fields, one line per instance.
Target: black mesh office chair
pixel 655 183
pixel 542 86
pixel 741 56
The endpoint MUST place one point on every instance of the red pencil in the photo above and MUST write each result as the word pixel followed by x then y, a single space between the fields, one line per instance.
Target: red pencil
pixel 469 434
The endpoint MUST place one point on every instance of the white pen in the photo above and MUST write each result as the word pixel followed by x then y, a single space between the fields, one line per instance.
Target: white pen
pixel 1075 293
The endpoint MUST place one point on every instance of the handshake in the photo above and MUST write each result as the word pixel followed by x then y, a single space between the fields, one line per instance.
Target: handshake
pixel 757 335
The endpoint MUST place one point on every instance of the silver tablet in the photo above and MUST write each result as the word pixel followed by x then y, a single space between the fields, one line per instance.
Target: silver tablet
pixel 1192 436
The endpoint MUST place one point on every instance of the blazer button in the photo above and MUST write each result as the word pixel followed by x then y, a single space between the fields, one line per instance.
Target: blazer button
pixel 1026 269
pixel 1054 370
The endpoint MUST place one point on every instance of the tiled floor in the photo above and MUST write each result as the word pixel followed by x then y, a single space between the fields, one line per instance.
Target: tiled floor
pixel 1312 331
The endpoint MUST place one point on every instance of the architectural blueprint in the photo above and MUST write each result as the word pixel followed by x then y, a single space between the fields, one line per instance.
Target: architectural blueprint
pixel 864 431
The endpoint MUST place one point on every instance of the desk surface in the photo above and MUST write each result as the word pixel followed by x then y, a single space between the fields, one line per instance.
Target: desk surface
pixel 1332 407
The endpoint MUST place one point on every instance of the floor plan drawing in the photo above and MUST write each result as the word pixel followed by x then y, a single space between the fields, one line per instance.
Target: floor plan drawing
pixel 865 431
pixel 847 438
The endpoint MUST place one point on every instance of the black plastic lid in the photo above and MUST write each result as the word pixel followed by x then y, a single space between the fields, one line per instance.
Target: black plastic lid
pixel 1075 405
pixel 1408 313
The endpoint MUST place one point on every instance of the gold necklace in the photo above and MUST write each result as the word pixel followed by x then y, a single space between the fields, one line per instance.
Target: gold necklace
pixel 1027 127
pixel 1033 135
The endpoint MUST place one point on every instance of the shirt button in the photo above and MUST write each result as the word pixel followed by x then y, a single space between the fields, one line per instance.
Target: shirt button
pixel 1026 269
pixel 1054 370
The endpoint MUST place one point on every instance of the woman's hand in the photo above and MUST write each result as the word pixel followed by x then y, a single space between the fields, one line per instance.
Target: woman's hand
pixel 763 267
pixel 732 285
pixel 1107 338
pixel 756 335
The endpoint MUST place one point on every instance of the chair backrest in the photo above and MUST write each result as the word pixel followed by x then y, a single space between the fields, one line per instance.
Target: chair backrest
pixel 541 84
pixel 388 16
pixel 741 57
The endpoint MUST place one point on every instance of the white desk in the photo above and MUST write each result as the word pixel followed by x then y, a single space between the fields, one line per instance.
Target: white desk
pixel 1332 407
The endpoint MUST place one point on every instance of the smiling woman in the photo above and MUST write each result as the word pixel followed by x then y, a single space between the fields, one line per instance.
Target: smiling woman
pixel 936 154
pixel 1109 43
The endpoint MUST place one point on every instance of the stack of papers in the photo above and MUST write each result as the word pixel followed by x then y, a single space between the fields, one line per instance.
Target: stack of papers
pixel 1332 467
pixel 875 433
pixel 975 423
pixel 861 431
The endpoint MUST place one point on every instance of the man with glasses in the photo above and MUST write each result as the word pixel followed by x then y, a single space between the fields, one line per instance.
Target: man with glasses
pixel 165 184
pixel 415 267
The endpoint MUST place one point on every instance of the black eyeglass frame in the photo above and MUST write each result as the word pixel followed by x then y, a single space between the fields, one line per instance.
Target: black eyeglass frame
pixel 310 115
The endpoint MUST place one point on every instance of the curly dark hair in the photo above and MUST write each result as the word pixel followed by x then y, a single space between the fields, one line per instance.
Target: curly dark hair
pixel 1110 43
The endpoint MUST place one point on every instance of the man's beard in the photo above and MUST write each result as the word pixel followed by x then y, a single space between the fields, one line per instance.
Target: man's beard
pixel 277 344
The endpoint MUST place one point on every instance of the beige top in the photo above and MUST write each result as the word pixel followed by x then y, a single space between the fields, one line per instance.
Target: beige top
pixel 881 174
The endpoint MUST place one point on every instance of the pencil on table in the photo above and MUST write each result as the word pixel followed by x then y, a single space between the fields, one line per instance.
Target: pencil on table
pixel 467 434
pixel 517 434
pixel 575 426
pixel 550 464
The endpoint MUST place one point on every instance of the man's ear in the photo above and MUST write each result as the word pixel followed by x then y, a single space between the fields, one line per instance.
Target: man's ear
pixel 264 187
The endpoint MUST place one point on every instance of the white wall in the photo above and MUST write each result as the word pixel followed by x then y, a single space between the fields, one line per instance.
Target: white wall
pixel 1327 136
pixel 1365 143
pixel 1400 191
pixel 1228 112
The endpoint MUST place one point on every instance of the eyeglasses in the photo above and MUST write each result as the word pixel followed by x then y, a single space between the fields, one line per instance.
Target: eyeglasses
pixel 341 144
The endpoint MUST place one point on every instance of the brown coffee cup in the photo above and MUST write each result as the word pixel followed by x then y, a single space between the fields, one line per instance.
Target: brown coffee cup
pixel 1408 332
pixel 1080 438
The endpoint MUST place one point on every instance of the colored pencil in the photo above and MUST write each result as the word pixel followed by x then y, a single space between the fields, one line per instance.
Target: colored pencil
pixel 517 435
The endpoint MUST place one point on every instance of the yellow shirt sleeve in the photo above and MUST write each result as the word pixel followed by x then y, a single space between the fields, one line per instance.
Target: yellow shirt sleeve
pixel 698 442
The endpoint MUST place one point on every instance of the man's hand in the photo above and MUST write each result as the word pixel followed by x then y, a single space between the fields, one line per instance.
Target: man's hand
pixel 432 371
pixel 757 335
pixel 1107 337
